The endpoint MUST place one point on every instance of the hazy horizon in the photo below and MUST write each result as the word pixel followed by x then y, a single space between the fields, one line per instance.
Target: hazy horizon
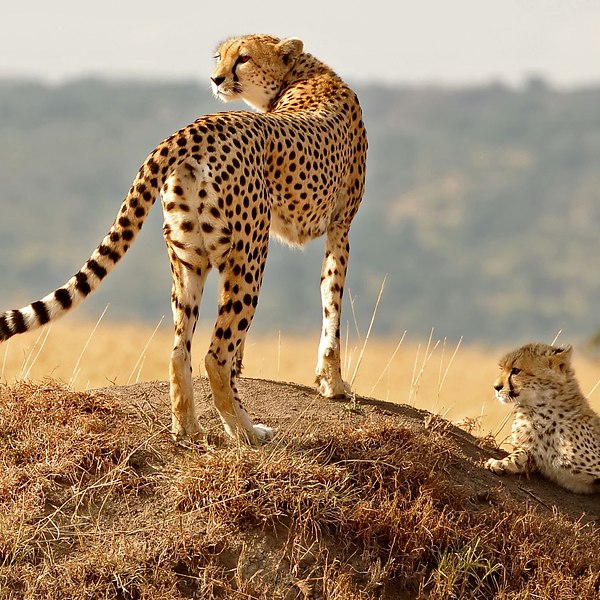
pixel 461 43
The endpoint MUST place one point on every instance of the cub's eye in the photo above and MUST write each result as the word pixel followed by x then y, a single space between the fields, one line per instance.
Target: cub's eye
pixel 244 58
pixel 217 57
pixel 515 371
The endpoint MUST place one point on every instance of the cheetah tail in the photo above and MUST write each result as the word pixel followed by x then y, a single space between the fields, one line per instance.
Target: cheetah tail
pixel 132 214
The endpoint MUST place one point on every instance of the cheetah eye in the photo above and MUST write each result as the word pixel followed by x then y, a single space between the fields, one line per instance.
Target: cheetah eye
pixel 243 58
pixel 217 57
pixel 515 371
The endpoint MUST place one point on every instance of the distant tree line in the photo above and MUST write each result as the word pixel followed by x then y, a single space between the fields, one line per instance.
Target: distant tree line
pixel 482 207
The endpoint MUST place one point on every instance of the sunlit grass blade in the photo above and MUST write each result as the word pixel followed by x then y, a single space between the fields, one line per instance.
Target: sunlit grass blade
pixel 443 379
pixel 278 354
pixel 389 362
pixel 4 361
pixel 502 424
pixel 345 368
pixel 415 383
pixel 362 350
pixel 137 377
pixel 143 353
pixel 26 376
pixel 87 343
pixel 593 389
pixel 358 336
pixel 28 355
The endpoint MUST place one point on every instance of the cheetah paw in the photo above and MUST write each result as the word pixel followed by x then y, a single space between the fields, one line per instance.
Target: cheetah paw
pixel 495 466
pixel 263 433
pixel 189 435
pixel 340 389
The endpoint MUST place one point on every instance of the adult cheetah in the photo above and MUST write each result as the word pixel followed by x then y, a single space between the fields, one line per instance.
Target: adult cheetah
pixel 555 431
pixel 294 169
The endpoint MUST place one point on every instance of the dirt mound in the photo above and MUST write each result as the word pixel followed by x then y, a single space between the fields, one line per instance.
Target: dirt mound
pixel 361 499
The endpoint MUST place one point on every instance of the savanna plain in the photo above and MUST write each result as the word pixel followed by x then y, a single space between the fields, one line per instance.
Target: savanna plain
pixel 445 377
pixel 352 499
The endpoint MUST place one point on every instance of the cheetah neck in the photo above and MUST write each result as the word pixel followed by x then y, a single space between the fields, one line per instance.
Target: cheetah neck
pixel 307 74
pixel 566 398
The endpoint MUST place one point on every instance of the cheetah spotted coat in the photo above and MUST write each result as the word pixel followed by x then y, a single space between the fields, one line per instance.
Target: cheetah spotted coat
pixel 295 169
pixel 555 431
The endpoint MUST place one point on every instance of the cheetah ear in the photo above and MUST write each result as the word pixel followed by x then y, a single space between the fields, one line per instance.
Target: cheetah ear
pixel 290 49
pixel 561 358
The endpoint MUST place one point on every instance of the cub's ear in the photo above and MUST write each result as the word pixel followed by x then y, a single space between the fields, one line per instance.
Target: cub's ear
pixel 561 358
pixel 290 49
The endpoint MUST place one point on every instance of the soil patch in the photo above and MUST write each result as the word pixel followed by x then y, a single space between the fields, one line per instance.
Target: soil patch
pixel 353 499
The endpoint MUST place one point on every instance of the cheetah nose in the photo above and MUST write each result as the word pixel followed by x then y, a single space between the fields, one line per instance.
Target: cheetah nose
pixel 498 387
pixel 218 80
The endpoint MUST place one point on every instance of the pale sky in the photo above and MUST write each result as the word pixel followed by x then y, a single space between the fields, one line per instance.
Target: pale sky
pixel 408 41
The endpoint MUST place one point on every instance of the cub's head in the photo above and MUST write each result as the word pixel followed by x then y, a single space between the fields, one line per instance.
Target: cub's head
pixel 531 370
pixel 253 68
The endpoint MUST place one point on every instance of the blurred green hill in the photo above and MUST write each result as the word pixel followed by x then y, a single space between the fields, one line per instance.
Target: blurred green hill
pixel 482 206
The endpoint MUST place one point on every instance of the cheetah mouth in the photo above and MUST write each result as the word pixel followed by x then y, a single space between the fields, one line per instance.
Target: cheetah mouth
pixel 227 93
pixel 506 397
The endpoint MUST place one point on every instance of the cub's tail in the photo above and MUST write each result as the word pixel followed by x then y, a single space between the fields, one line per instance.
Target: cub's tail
pixel 132 214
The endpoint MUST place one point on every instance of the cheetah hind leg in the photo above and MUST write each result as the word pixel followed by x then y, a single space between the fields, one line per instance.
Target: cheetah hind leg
pixel 239 358
pixel 263 432
pixel 333 274
pixel 235 418
pixel 235 314
pixel 187 293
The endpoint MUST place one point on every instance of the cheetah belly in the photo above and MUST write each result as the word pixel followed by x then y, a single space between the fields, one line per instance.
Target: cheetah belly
pixel 555 458
pixel 295 225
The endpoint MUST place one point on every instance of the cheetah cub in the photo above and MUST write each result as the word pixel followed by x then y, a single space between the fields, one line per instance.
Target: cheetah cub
pixel 555 431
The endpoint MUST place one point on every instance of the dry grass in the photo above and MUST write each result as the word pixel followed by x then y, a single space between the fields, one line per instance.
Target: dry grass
pixel 96 502
pixel 422 374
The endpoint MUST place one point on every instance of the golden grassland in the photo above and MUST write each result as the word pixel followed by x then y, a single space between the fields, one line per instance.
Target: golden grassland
pixel 446 378
pixel 97 502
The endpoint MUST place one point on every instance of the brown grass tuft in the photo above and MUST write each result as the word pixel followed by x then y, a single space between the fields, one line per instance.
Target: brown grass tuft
pixel 97 502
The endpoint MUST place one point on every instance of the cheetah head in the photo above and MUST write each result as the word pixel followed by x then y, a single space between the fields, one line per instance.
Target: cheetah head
pixel 531 371
pixel 253 68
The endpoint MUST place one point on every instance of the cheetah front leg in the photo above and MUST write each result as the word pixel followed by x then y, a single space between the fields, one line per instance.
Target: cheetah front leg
pixel 333 274
pixel 516 462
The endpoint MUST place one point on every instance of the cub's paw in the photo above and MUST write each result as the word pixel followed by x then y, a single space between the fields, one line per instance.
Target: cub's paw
pixel 495 466
pixel 263 433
